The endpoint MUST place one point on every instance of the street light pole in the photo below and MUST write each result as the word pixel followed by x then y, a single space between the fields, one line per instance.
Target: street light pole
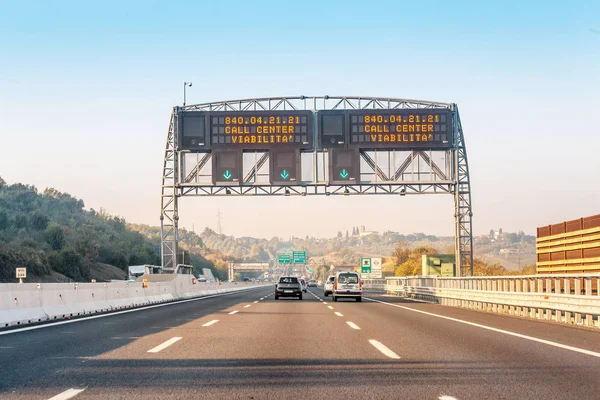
pixel 184 86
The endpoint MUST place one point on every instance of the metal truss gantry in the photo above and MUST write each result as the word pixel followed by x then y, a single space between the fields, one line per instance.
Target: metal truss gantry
pixel 406 172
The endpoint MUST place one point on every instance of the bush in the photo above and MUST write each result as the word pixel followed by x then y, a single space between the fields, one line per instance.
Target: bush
pixel 70 264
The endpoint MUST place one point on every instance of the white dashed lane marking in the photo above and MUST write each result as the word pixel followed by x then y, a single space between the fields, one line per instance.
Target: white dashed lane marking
pixel 383 349
pixel 214 321
pixel 331 308
pixel 233 312
pixel 339 314
pixel 164 345
pixel 247 305
pixel 67 394
pixel 352 325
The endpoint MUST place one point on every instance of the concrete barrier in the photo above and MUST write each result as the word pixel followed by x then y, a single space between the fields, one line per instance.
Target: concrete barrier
pixel 30 303
pixel 21 304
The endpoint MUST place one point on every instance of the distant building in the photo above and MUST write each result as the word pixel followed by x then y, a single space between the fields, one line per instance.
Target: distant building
pixel 367 233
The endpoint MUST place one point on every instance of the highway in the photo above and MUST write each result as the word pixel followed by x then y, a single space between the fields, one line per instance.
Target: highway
pixel 247 345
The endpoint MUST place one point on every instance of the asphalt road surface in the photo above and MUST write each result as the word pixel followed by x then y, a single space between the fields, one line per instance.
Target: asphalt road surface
pixel 249 346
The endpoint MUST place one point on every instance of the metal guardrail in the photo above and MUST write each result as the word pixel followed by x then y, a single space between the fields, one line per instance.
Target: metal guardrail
pixel 374 285
pixel 566 298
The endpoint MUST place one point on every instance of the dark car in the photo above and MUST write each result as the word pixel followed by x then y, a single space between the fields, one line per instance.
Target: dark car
pixel 288 286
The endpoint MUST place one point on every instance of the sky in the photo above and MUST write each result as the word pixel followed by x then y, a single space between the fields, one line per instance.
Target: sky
pixel 87 88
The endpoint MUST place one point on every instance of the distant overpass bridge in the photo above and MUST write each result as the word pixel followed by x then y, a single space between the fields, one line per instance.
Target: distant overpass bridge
pixel 232 268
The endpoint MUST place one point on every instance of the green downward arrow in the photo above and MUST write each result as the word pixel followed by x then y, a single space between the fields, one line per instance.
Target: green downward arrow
pixel 285 174
pixel 344 174
pixel 227 175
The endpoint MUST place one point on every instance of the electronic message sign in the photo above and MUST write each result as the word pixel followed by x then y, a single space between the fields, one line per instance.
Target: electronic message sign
pixel 402 128
pixel 332 128
pixel 284 167
pixel 261 129
pixel 343 166
pixel 192 130
pixel 227 167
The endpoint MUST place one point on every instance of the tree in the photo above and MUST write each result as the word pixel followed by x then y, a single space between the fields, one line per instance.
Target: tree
pixel 2 182
pixel 38 221
pixel 258 253
pixel 3 219
pixel 491 233
pixel 55 237
pixel 339 234
pixel 401 254
pixel 409 268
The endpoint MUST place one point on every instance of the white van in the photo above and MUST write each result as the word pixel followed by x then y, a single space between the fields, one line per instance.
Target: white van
pixel 347 284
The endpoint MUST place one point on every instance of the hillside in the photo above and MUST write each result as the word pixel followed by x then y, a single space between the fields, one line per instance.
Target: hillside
pixel 57 240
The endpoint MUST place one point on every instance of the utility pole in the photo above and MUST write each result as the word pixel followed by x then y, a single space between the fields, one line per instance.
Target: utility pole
pixel 219 227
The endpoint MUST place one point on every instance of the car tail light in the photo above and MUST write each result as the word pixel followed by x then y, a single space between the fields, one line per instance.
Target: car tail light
pixel 335 282
pixel 360 284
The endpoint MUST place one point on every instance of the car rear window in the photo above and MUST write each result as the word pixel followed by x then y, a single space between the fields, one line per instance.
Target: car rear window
pixel 331 278
pixel 348 278
pixel 288 279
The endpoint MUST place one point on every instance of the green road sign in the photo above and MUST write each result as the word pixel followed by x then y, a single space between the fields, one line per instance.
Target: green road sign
pixel 344 174
pixel 227 175
pixel 365 265
pixel 299 257
pixel 285 174
pixel 284 259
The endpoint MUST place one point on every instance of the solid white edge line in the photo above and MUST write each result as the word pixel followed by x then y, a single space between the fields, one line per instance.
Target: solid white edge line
pixel 489 328
pixel 214 321
pixel 353 325
pixel 110 314
pixel 339 314
pixel 233 312
pixel 331 308
pixel 67 394
pixel 164 345
pixel 383 349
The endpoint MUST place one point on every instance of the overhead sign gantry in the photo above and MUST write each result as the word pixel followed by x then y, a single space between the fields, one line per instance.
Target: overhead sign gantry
pixel 316 146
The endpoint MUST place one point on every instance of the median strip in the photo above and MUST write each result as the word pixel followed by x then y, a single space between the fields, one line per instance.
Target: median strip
pixel 165 344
